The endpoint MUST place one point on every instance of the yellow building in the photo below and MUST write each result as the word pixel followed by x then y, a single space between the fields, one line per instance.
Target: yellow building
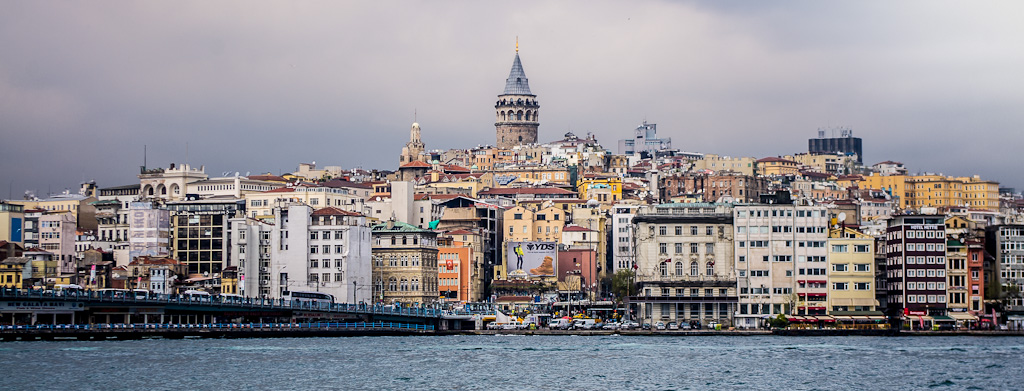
pixel 11 270
pixel 524 224
pixel 604 189
pixel 929 190
pixel 743 165
pixel 536 174
pixel 851 272
pixel 774 166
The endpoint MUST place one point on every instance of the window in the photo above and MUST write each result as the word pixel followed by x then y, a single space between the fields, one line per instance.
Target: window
pixel 662 230
pixel 693 268
pixel 693 248
pixel 679 230
pixel 710 230
pixel 662 248
pixel 743 258
pixel 314 235
pixel 679 248
pixel 709 248
pixel 862 267
pixel 710 269
pixel 693 230
pixel 840 267
pixel 679 269
pixel 839 248
pixel 314 263
pixel 861 248
pixel 840 286
pixel 862 286
pixel 663 268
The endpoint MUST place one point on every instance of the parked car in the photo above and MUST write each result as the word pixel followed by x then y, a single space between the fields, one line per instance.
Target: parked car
pixel 612 326
pixel 629 325
pixel 685 326
pixel 673 326
pixel 659 325
pixel 646 326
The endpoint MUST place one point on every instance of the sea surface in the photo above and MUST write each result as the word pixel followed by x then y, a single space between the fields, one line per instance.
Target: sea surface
pixel 516 362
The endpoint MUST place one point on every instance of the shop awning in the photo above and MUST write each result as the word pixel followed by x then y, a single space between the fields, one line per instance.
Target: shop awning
pixel 940 318
pixel 825 318
pixel 963 316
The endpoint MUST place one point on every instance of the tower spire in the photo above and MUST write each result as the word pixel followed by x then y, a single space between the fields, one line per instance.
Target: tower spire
pixel 517 44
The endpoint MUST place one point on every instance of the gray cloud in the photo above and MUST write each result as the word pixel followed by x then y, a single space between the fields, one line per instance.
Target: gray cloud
pixel 262 86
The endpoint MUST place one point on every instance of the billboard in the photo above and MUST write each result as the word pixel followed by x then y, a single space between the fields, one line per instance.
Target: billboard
pixel 149 231
pixel 531 258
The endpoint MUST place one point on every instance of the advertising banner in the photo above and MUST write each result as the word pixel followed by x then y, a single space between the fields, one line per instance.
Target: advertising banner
pixel 149 232
pixel 531 258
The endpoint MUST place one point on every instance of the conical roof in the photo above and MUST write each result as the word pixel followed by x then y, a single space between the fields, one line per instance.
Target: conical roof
pixel 517 84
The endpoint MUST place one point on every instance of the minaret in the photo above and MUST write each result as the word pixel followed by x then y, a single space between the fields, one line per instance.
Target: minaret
pixel 517 110
pixel 412 150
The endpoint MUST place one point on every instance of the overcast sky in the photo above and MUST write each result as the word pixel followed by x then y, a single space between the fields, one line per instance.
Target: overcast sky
pixel 255 86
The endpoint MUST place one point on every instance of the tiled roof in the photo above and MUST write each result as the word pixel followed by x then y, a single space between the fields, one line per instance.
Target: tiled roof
pixel 281 190
pixel 526 190
pixel 273 178
pixel 332 211
pixel 416 164
pixel 774 159
pixel 462 232
pixel 576 228
pixel 342 183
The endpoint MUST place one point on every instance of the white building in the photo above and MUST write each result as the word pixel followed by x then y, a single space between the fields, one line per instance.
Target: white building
pixel 327 250
pixel 623 252
pixel 405 206
pixel 781 260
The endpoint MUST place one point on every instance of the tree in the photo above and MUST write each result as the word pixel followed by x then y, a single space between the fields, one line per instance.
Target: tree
pixel 623 284
pixel 779 322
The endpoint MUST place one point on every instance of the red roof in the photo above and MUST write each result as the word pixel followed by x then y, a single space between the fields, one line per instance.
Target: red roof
pixel 454 168
pixel 526 190
pixel 343 183
pixel 281 190
pixel 775 159
pixel 576 228
pixel 332 211
pixel 273 178
pixel 145 260
pixel 416 164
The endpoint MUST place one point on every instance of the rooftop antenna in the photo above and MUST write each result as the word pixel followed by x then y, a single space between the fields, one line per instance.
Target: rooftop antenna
pixel 517 44
pixel 143 156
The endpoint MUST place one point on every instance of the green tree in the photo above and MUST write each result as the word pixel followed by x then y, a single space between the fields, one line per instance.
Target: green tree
pixel 623 284
pixel 779 322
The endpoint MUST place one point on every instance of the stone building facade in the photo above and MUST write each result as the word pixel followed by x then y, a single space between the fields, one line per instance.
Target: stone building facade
pixel 404 263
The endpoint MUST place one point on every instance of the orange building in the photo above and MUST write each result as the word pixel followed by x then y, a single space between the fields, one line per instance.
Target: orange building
pixel 454 267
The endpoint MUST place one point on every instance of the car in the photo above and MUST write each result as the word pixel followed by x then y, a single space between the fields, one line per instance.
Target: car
pixel 673 326
pixel 685 326
pixel 611 326
pixel 646 326
pixel 659 325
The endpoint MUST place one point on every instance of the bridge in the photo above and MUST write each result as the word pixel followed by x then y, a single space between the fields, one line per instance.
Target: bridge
pixel 83 311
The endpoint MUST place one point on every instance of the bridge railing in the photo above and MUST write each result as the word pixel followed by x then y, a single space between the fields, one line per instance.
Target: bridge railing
pixel 250 302
pixel 216 326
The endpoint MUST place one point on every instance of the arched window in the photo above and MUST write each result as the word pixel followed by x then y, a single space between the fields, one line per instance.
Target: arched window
pixel 710 269
pixel 679 269
pixel 149 190
pixel 163 190
pixel 528 115
pixel 405 240
pixel 520 138
pixel 392 240
pixel 392 284
pixel 415 284
pixel 693 268
pixel 502 115
pixel 519 115
pixel 664 269
pixel 511 114
pixel 175 189
pixel 380 284
pixel 404 286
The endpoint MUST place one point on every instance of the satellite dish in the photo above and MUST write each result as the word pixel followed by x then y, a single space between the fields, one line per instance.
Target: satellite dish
pixel 842 217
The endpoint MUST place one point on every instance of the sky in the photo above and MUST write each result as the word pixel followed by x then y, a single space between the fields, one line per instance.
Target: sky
pixel 261 86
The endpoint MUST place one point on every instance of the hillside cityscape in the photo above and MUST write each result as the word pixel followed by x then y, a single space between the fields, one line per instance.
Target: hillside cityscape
pixel 552 223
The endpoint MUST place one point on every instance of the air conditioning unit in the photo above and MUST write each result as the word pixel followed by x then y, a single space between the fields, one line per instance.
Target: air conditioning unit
pixel 341 268
pixel 263 269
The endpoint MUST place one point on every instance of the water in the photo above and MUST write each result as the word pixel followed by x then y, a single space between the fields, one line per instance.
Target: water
pixel 520 363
